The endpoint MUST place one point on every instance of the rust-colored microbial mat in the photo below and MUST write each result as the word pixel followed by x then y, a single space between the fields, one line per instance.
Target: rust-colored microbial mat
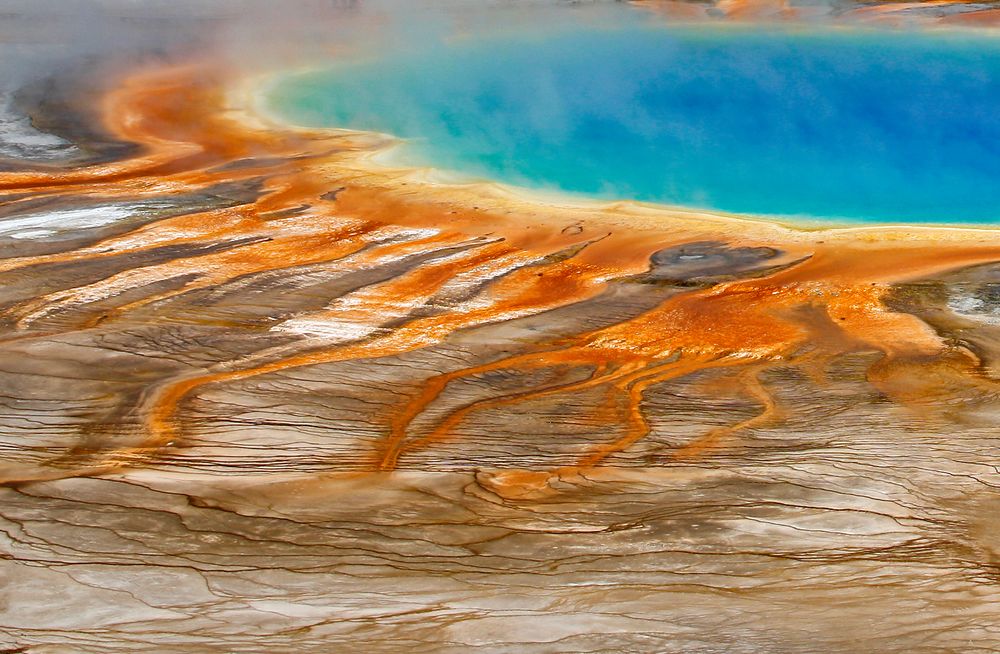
pixel 261 394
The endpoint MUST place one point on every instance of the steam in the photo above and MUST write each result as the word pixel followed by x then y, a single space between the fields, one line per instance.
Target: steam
pixel 41 37
pixel 52 52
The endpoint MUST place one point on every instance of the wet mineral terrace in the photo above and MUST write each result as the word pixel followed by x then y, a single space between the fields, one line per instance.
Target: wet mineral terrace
pixel 258 394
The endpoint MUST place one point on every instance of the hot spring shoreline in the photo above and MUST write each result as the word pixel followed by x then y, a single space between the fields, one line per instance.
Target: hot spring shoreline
pixel 833 138
pixel 822 292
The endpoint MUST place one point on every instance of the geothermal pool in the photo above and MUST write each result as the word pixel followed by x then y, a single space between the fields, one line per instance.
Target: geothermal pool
pixel 844 125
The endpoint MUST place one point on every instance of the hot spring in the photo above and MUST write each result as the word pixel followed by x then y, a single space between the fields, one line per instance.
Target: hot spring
pixel 837 125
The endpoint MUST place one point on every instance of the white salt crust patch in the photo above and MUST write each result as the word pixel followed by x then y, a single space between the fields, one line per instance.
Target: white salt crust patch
pixel 974 308
pixel 42 224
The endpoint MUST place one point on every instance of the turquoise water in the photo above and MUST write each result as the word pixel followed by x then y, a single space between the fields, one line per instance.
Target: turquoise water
pixel 869 126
